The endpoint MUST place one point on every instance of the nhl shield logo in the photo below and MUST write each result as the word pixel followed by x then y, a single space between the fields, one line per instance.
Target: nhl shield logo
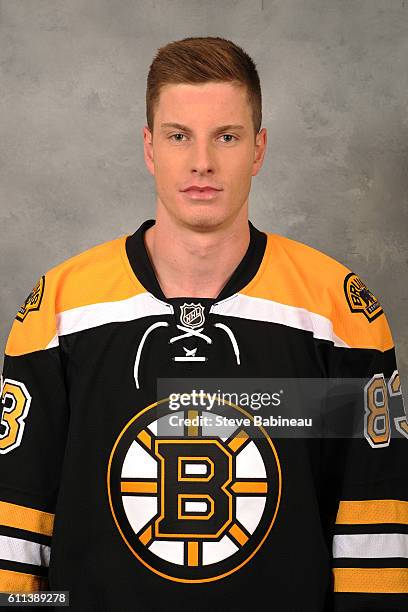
pixel 360 298
pixel 192 315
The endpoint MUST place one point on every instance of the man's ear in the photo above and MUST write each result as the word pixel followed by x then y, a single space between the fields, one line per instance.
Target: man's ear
pixel 148 149
pixel 260 150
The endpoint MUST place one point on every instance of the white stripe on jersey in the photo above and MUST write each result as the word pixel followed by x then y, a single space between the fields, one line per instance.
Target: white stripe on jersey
pixel 238 305
pixel 371 545
pixel 24 551
pixel 260 309
pixel 92 315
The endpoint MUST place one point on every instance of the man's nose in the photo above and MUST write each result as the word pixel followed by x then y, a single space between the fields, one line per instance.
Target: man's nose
pixel 202 158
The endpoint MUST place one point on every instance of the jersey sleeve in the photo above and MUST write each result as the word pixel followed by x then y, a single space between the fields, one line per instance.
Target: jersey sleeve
pixel 365 457
pixel 34 421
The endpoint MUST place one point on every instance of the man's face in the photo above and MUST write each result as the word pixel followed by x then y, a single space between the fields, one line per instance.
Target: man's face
pixel 201 151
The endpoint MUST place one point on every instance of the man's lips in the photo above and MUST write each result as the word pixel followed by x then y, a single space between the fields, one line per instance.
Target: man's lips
pixel 202 188
pixel 201 193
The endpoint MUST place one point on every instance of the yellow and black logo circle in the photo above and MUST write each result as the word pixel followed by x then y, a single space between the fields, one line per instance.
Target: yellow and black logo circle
pixel 360 298
pixel 33 301
pixel 196 505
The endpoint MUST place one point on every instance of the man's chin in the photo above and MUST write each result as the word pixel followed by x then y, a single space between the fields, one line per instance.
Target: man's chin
pixel 204 217
pixel 204 222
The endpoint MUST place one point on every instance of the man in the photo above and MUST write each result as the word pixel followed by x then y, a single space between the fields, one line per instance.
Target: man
pixel 134 497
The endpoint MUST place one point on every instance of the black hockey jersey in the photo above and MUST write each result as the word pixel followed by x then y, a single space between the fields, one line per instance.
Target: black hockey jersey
pixel 132 496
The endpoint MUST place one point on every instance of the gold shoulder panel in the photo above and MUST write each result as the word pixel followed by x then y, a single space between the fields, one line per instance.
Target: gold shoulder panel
pixel 99 274
pixel 295 274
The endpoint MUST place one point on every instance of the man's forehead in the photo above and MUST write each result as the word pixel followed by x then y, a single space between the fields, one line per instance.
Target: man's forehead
pixel 179 106
pixel 201 93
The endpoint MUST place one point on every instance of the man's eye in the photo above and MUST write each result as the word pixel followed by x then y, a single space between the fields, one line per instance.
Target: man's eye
pixel 229 135
pixel 176 139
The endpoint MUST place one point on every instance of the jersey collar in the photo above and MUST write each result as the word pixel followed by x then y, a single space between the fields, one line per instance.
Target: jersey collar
pixel 245 271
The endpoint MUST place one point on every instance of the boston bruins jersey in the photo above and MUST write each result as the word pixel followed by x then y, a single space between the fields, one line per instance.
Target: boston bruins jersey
pixel 132 496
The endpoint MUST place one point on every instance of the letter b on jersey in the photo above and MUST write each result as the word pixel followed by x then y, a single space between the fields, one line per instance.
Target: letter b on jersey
pixel 194 475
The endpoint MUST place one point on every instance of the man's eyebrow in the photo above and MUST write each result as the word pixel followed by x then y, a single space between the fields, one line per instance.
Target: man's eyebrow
pixel 221 128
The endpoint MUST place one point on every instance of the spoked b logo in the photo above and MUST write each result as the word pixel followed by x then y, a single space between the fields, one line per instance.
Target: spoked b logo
pixel 196 505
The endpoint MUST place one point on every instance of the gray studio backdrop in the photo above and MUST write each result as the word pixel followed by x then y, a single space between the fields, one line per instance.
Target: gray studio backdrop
pixel 335 90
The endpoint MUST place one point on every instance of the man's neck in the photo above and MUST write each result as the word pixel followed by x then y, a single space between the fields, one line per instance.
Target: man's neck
pixel 192 263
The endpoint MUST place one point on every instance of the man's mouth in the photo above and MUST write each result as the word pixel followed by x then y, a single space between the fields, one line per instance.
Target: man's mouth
pixel 201 193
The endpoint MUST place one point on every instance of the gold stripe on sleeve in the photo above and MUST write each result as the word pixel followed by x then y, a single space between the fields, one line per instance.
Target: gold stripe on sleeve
pixel 22 517
pixel 372 511
pixel 18 582
pixel 371 580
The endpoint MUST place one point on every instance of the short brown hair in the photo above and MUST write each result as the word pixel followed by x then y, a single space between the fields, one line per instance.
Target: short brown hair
pixel 199 60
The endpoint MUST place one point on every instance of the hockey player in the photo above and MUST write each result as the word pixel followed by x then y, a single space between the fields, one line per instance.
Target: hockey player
pixel 109 493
